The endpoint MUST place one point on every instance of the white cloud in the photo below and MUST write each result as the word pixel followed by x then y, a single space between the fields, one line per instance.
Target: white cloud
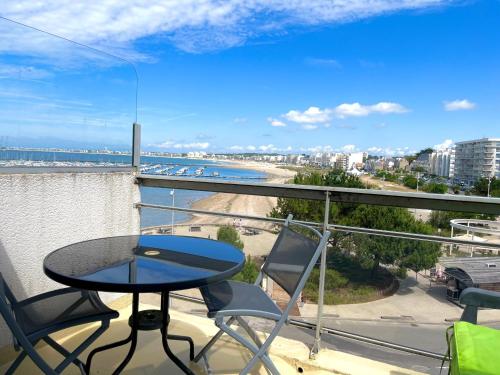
pixel 194 145
pixel 192 25
pixel 268 148
pixel 20 72
pixel 315 115
pixel 458 105
pixel 317 149
pixel 388 151
pixel 261 148
pixel 447 143
pixel 275 122
pixel 171 144
pixel 375 150
pixel 312 115
pixel 357 110
pixel 309 127
pixel 348 148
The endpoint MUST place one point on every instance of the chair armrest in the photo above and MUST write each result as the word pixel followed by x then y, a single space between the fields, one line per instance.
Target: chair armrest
pixel 246 313
pixel 480 298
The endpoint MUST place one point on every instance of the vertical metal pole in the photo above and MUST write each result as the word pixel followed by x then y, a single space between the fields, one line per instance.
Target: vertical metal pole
pixel 136 145
pixel 172 193
pixel 322 273
pixel 451 236
pixel 470 246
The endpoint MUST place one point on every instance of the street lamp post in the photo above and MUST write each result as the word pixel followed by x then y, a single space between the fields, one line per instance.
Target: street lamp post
pixel 489 184
pixel 172 193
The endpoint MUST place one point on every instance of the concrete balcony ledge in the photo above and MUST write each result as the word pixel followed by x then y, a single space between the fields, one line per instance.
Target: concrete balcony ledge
pixel 226 357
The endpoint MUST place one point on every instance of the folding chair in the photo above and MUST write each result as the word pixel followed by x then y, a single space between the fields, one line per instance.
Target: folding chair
pixel 35 318
pixel 289 264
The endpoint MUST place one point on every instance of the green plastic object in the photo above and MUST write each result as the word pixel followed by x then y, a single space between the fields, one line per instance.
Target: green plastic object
pixel 475 350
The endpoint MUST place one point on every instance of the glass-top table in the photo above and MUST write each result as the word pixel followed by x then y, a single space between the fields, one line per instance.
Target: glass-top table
pixel 144 264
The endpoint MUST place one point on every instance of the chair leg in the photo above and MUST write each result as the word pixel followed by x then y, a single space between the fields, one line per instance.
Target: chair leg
pixel 60 349
pixel 74 355
pixel 253 335
pixel 29 350
pixel 259 353
pixel 212 341
pixel 16 363
pixel 268 364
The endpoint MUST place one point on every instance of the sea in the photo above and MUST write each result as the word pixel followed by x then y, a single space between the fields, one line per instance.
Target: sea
pixel 154 165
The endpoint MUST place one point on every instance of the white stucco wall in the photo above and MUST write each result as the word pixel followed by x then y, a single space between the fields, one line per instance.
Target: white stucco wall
pixel 41 212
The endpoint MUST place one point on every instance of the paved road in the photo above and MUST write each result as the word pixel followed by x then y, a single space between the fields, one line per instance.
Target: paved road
pixel 429 337
pixel 426 336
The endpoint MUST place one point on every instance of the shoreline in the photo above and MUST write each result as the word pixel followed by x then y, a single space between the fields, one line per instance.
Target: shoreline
pixel 239 203
pixel 255 245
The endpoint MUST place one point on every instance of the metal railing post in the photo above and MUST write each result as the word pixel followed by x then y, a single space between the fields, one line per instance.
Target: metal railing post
pixel 322 274
pixel 136 145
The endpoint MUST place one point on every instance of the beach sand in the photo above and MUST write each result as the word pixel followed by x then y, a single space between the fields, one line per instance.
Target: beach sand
pixel 257 244
pixel 243 204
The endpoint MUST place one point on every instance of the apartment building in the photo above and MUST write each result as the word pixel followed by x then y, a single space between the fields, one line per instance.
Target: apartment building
pixel 477 158
pixel 442 163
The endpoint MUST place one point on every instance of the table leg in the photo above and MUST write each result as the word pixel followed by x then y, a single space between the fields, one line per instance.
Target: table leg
pixel 165 336
pixel 131 338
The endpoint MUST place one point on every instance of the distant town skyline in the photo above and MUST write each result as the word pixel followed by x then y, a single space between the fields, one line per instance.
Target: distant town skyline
pixel 385 78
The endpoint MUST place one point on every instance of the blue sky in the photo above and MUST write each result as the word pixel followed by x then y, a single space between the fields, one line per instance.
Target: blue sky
pixel 381 76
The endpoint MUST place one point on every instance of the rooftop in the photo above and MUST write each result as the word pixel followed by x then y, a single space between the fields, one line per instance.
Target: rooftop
pixel 480 270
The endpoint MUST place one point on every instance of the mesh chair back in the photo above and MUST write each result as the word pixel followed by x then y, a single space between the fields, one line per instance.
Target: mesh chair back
pixel 7 302
pixel 288 260
pixel 6 295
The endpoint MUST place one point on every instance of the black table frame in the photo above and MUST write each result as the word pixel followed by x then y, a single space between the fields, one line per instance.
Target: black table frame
pixel 140 320
pixel 132 338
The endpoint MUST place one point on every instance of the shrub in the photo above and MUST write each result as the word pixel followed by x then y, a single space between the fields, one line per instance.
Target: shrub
pixel 410 182
pixel 333 280
pixel 229 235
pixel 401 273
pixel 249 272
pixel 435 188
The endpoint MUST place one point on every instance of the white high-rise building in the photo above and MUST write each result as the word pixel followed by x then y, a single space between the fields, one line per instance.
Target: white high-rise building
pixel 442 163
pixel 476 159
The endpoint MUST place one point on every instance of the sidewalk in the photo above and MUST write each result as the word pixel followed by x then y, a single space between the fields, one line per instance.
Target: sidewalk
pixel 414 302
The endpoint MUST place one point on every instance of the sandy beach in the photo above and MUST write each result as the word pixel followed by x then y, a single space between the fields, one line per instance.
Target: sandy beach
pixel 255 245
pixel 243 204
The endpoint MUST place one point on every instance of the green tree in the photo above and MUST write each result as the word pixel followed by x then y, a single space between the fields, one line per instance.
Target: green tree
pixel 435 188
pixel 249 272
pixel 375 250
pixel 371 250
pixel 310 210
pixel 481 187
pixel 441 219
pixel 410 158
pixel 229 235
pixel 428 150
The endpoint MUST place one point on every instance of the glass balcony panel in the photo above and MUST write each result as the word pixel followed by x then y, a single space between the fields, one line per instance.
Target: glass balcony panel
pixel 59 95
